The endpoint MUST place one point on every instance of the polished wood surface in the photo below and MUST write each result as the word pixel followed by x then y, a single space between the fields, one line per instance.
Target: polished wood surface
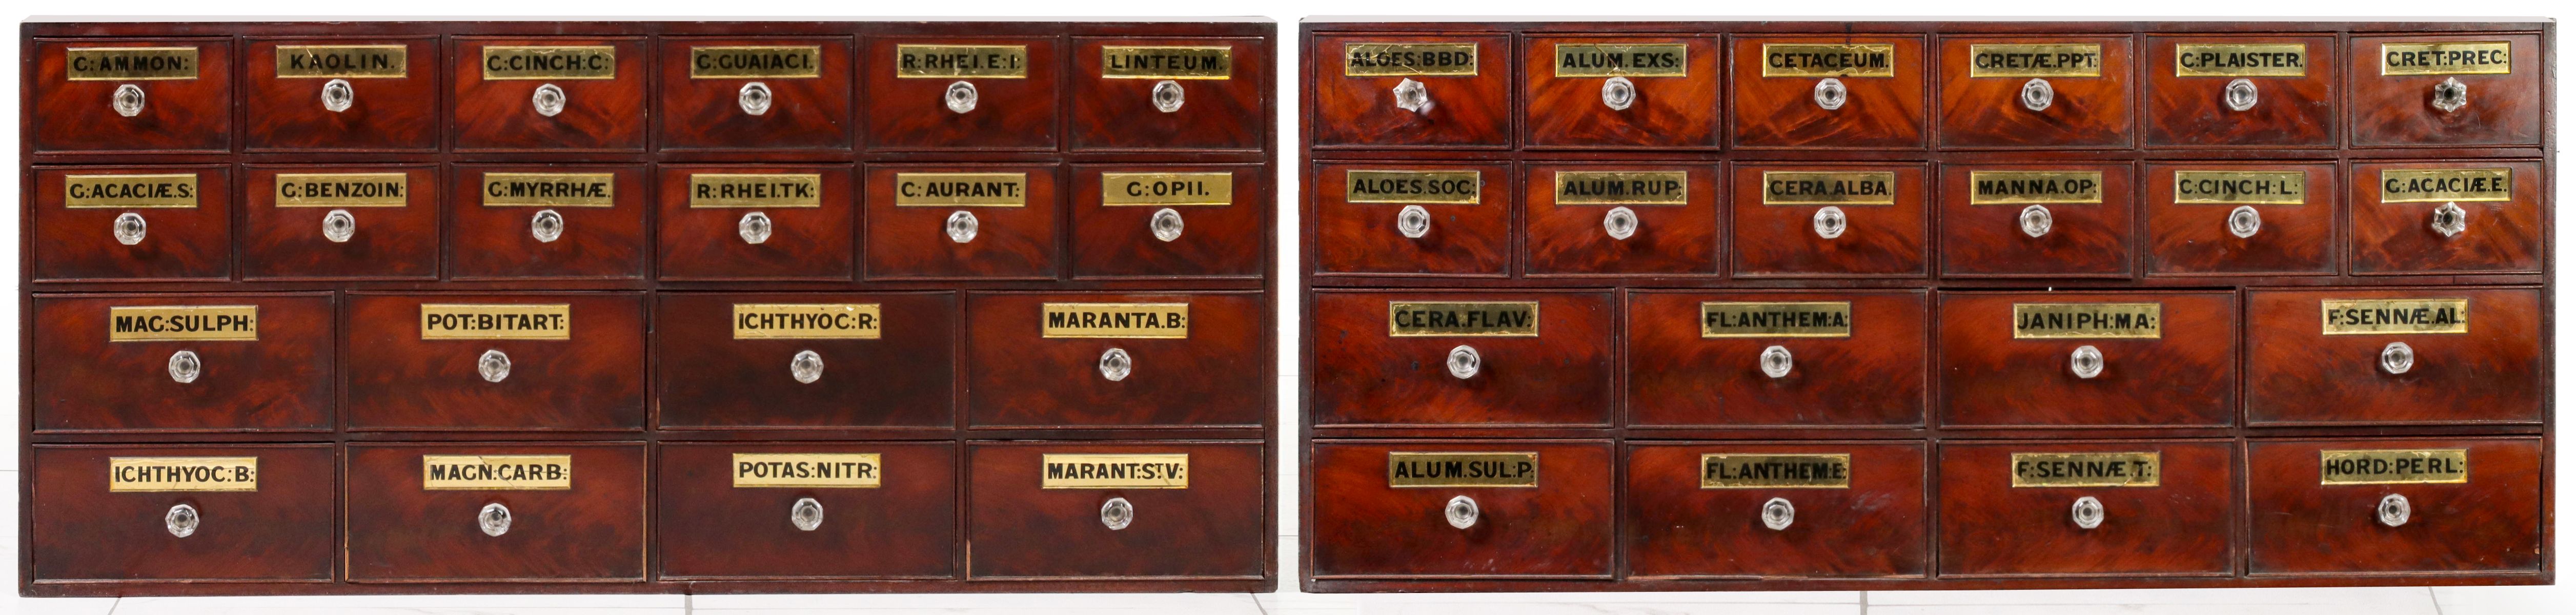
pixel 1362 238
pixel 1360 110
pixel 388 242
pixel 1679 377
pixel 1013 113
pixel 2195 238
pixel 401 532
pixel 281 531
pixel 178 243
pixel 808 241
pixel 280 381
pixel 1782 112
pixel 1989 375
pixel 2177 526
pixel 499 114
pixel 729 382
pixel 2191 111
pixel 489 239
pixel 2493 521
pixel 1560 528
pixel 191 115
pixel 1215 114
pixel 1990 112
pixel 1668 111
pixel 1876 241
pixel 1009 242
pixel 804 113
pixel 2081 239
pixel 2492 373
pixel 1573 239
pixel 1118 241
pixel 385 114
pixel 1363 376
pixel 592 380
pixel 902 528
pixel 1018 377
pixel 1872 528
pixel 2397 110
pixel 1023 531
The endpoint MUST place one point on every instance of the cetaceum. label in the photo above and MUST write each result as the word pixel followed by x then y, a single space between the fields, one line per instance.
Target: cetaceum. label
pixel 168 474
pixel 518 62
pixel 2393 467
pixel 1775 471
pixel 2395 316
pixel 1646 60
pixel 1115 320
pixel 2042 60
pixel 1720 319
pixel 1828 188
pixel 1462 319
pixel 451 321
pixel 495 472
pixel 763 190
pixel 342 190
pixel 809 470
pixel 1622 187
pixel 1166 62
pixel 173 323
pixel 2032 187
pixel 955 61
pixel 2241 60
pixel 961 189
pixel 1420 187
pixel 766 62
pixel 343 61
pixel 549 190
pixel 2478 58
pixel 1160 189
pixel 2088 320
pixel 1405 470
pixel 807 321
pixel 2241 187
pixel 1409 59
pixel 1828 60
pixel 2087 469
pixel 172 191
pixel 129 63
pixel 1115 471
pixel 2445 185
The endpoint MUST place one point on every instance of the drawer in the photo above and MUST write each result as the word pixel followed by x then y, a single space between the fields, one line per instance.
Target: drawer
pixel 2024 220
pixel 2491 210
pixel 2285 86
pixel 961 222
pixel 839 510
pixel 131 95
pixel 769 222
pixel 2238 218
pixel 1127 510
pixel 1771 510
pixel 1490 509
pixel 2035 92
pixel 756 93
pixel 1217 225
pixel 804 360
pixel 1643 91
pixel 1614 219
pixel 1840 358
pixel 1114 360
pixel 2490 82
pixel 2019 509
pixel 2404 506
pixel 341 94
pixel 551 93
pixel 195 363
pixel 488 512
pixel 1217 93
pixel 2373 356
pixel 184 513
pixel 980 93
pixel 1829 220
pixel 2099 359
pixel 179 219
pixel 340 221
pixel 476 362
pixel 1528 358
pixel 546 221
pixel 1411 219
pixel 1829 92
pixel 1459 92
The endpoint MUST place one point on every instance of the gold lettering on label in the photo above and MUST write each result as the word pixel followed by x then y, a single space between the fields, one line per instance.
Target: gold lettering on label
pixel 1159 189
pixel 522 62
pixel 342 190
pixel 1115 320
pixel 495 472
pixel 956 61
pixel 2046 60
pixel 129 63
pixel 961 189
pixel 1462 319
pixel 1775 471
pixel 1720 319
pixel 172 191
pixel 767 62
pixel 2054 321
pixel 1828 60
pixel 1622 187
pixel 2240 187
pixel 2395 316
pixel 1597 60
pixel 343 61
pixel 1115 471
pixel 2479 58
pixel 2087 469
pixel 1828 188
pixel 2029 187
pixel 549 190
pixel 1419 187
pixel 1408 470
pixel 762 190
pixel 173 323
pixel 808 470
pixel 169 474
pixel 1409 59
pixel 807 321
pixel 1182 62
pixel 2241 60
pixel 2393 467
pixel 2445 185
pixel 455 321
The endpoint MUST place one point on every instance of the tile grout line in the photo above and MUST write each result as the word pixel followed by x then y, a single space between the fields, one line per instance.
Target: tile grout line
pixel 2436 598
pixel 1864 603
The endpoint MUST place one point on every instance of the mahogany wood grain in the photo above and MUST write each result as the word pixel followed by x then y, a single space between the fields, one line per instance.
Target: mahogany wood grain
pixel 1464 239
pixel 2296 374
pixel 606 115
pixel 2195 239
pixel 1875 527
pixel 707 528
pixel 1016 377
pixel 396 381
pixel 192 115
pixel 1669 111
pixel 1876 241
pixel 282 531
pixel 1781 112
pixel 1466 110
pixel 385 114
pixel 2398 111
pixel 179 243
pixel 497 241
pixel 389 242
pixel 1364 376
pixel 2491 522
pixel 1118 241
pixel 2192 111
pixel 1210 530
pixel 910 113
pixel 1872 377
pixel 1010 242
pixel 1989 112
pixel 2398 238
pixel 2083 239
pixel 2185 377
pixel 804 113
pixel 804 243
pixel 717 380
pixel 2182 526
pixel 1364 528
pixel 400 532
pixel 280 382
pixel 1570 239
pixel 1215 114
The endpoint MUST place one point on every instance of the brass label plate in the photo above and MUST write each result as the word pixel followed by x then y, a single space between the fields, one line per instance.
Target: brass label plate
pixel 1719 319
pixel 549 190
pixel 1622 187
pixel 2445 185
pixel 166 474
pixel 807 321
pixel 2240 187
pixel 1409 59
pixel 2041 60
pixel 1115 320
pixel 2241 60
pixel 1775 471
pixel 958 61
pixel 2393 467
pixel 1416 187
pixel 343 61
pixel 2395 316
pixel 1828 60
pixel 1166 189
pixel 762 190
pixel 1182 62
pixel 1828 187
pixel 813 470
pixel 342 190
pixel 763 61
pixel 2029 187
pixel 457 321
pixel 1646 60
pixel 2479 58
pixel 2086 321
pixel 129 63
pixel 524 62
pixel 961 189
pixel 495 472
pixel 173 191
pixel 171 323
pixel 1462 319
pixel 2087 469
pixel 1115 471
pixel 1410 470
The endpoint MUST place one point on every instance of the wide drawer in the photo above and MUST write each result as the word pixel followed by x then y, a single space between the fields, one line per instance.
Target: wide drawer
pixel 546 221
pixel 1621 219
pixel 1490 509
pixel 2238 218
pixel 1829 220
pixel 1445 219
pixel 365 222
pixel 341 94
pixel 756 93
pixel 2399 505
pixel 756 222
pixel 2471 89
pixel 785 360
pixel 1516 359
pixel 1152 221
pixel 484 512
pixel 1410 90
pixel 1828 92
pixel 2036 92
pixel 547 93
pixel 132 223
pixel 2371 356
pixel 1622 92
pixel 1107 360
pixel 183 513
pixel 2109 509
pixel 1120 510
pixel 837 510
pixel 1776 359
pixel 243 362
pixel 961 221
pixel 2448 217
pixel 526 361
pixel 1770 510
pixel 1171 93
pixel 130 95
pixel 2037 220
pixel 967 93
pixel 2104 359
pixel 2240 91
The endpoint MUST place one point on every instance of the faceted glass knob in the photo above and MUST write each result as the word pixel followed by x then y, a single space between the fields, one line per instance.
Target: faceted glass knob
pixel 807 367
pixel 1116 513
pixel 807 514
pixel 129 228
pixel 1461 512
pixel 1166 224
pixel 754 98
pixel 962 225
pixel 184 366
pixel 181 520
pixel 1412 96
pixel 2240 94
pixel 1115 364
pixel 2088 512
pixel 2396 358
pixel 1830 94
pixel 960 97
pixel 1829 222
pixel 548 99
pixel 1776 361
pixel 1618 93
pixel 337 95
pixel 339 225
pixel 2244 222
pixel 1777 514
pixel 547 226
pixel 754 228
pixel 493 365
pixel 494 519
pixel 128 100
pixel 1464 362
pixel 2086 361
pixel 2449 95
pixel 2394 510
pixel 1167 96
pixel 1620 223
pixel 1413 221
pixel 2450 219
pixel 2036 95
pixel 2035 220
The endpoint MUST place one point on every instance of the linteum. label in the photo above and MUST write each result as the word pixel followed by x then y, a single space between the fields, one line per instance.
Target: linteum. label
pixel 1163 189
pixel 1721 319
pixel 457 321
pixel 2445 185
pixel 2088 320
pixel 812 470
pixel 2241 60
pixel 1828 187
pixel 1828 60
pixel 1513 469
pixel 1775 471
pixel 157 191
pixel 1422 187
pixel 167 474
pixel 961 189
pixel 2241 187
pixel 2032 187
pixel 2390 467
pixel 495 472
pixel 767 62
pixel 523 62
pixel 955 61
pixel 342 190
pixel 2395 316
pixel 807 321
pixel 1409 59
pixel 1166 62
pixel 1115 471
pixel 1462 319
pixel 1115 320
pixel 2465 58
pixel 549 190
pixel 764 190
pixel 174 323
pixel 2087 469
pixel 1614 60
pixel 129 63
pixel 343 61
pixel 2035 60
pixel 1622 188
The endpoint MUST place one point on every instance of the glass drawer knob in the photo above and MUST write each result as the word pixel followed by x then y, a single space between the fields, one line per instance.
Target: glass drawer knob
pixel 549 100
pixel 2240 94
pixel 1461 512
pixel 495 519
pixel 2088 512
pixel 1413 221
pixel 2035 220
pixel 181 520
pixel 960 97
pixel 1776 361
pixel 1116 513
pixel 1464 362
pixel 2450 219
pixel 754 98
pixel 2397 357
pixel 1618 93
pixel 129 228
pixel 339 225
pixel 1620 223
pixel 547 226
pixel 2087 361
pixel 2394 510
pixel 1115 364
pixel 1167 96
pixel 184 366
pixel 1777 514
pixel 2244 222
pixel 807 514
pixel 493 365
pixel 2036 95
pixel 807 367
pixel 128 100
pixel 337 95
pixel 2449 95
pixel 754 228
pixel 1830 223
pixel 1412 96
pixel 1830 94
pixel 1166 224
pixel 962 226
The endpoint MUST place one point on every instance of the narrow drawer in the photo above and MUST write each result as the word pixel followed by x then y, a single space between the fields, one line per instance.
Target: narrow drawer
pixel 1517 359
pixel 962 221
pixel 1410 90
pixel 2240 91
pixel 757 93
pixel 486 512
pixel 559 221
pixel 767 222
pixel 1171 93
pixel 813 510
pixel 198 363
pixel 2398 505
pixel 183 513
pixel 1620 92
pixel 1132 510
pixel 1216 225
pixel 2036 92
pixel 160 95
pixel 2238 218
pixel 1621 219
pixel 133 223
pixel 2101 509
pixel 2470 89
pixel 1835 91
pixel 547 93
pixel 1491 509
pixel 340 221
pixel 2105 359
pixel 784 360
pixel 1415 219
pixel 1776 359
pixel 2371 356
pixel 476 362
pixel 2037 220
pixel 1771 510
pixel 1113 360
pixel 974 93
pixel 341 94
pixel 1829 220
pixel 2446 217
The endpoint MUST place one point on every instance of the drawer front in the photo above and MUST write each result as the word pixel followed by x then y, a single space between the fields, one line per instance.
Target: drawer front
pixel 1216 227
pixel 1218 96
pixel 961 93
pixel 1411 218
pixel 876 360
pixel 546 221
pixel 1829 92
pixel 184 513
pixel 1829 220
pixel 423 513
pixel 2410 505
pixel 1775 359
pixel 1461 94
pixel 2491 210
pixel 962 222
pixel 1610 219
pixel 179 219
pixel 2161 508
pixel 755 222
pixel 476 362
pixel 878 510
pixel 367 222
pixel 2035 92
pixel 2021 360
pixel 1647 91
pixel 756 93
pixel 502 96
pixel 1503 509
pixel 1044 510
pixel 1108 360
pixel 2193 94
pixel 2400 85
pixel 2450 355
pixel 2023 220
pixel 340 94
pixel 2232 218
pixel 182 362
pixel 1770 510
pixel 179 92
pixel 1457 358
